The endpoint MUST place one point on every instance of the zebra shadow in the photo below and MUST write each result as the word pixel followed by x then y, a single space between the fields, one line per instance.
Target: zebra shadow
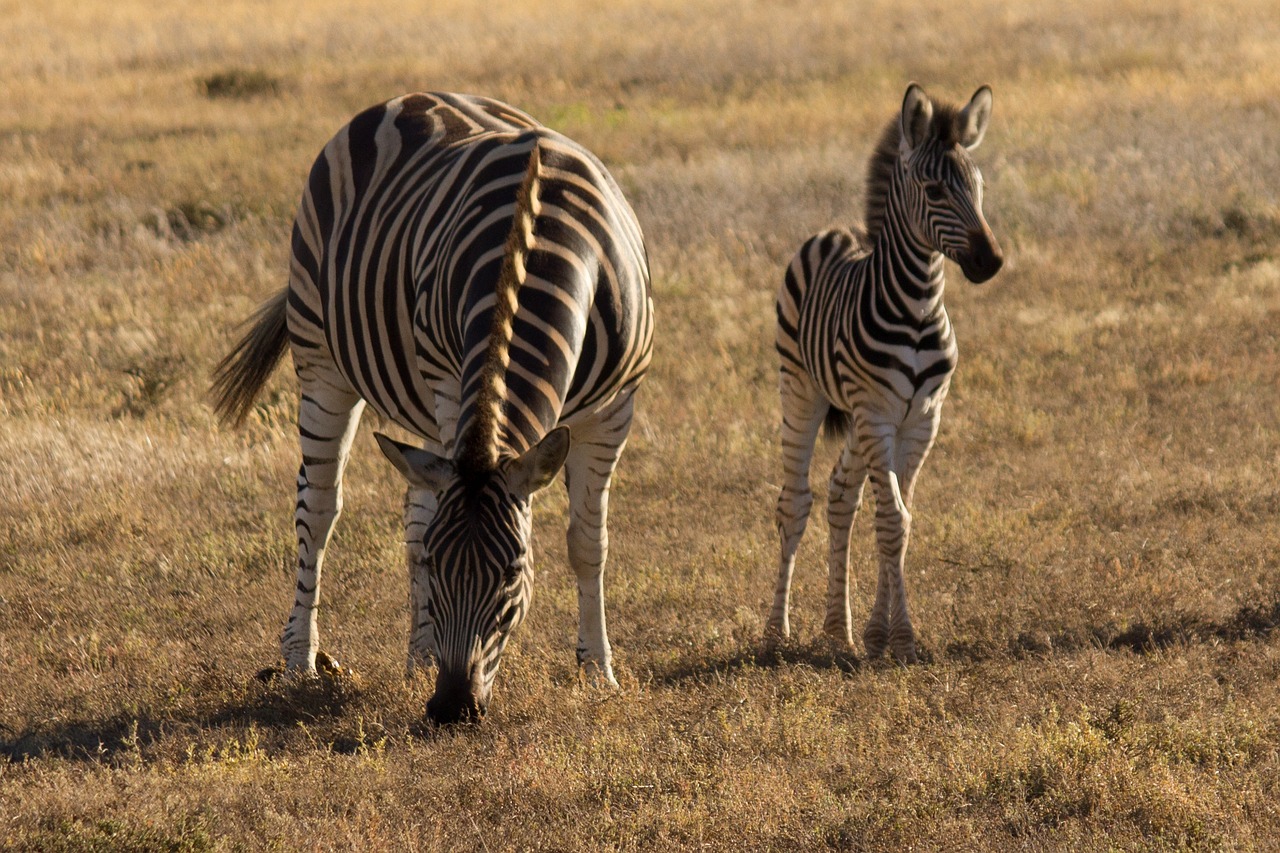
pixel 1249 623
pixel 279 715
pixel 818 654
pixel 102 740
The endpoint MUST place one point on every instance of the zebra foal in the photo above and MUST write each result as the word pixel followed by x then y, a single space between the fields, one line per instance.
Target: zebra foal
pixel 865 344
pixel 481 281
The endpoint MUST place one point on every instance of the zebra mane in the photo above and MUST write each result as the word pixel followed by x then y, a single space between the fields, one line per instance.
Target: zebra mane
pixel 945 129
pixel 479 451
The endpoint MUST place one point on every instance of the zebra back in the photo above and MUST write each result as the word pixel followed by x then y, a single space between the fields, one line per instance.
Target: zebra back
pixel 448 247
pixel 479 450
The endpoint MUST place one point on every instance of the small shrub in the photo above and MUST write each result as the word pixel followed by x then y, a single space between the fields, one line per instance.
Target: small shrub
pixel 239 83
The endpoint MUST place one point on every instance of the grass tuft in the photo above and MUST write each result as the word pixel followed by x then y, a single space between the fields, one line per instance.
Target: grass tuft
pixel 240 84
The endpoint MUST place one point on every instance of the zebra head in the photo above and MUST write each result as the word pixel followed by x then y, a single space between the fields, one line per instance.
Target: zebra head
pixel 476 563
pixel 942 186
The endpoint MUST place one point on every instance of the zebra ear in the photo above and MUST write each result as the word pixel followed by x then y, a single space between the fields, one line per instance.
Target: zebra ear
pixel 420 467
pixel 975 117
pixel 538 466
pixel 917 116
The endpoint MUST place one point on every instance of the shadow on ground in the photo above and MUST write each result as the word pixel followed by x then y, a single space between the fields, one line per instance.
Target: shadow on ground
pixel 1248 623
pixel 329 713
pixel 276 710
pixel 819 654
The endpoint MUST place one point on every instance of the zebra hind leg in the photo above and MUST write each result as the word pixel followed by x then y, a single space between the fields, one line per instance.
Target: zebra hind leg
pixel 327 418
pixel 845 497
pixel 588 471
pixel 803 411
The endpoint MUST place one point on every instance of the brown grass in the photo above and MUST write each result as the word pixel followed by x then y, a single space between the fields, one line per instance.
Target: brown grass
pixel 1093 567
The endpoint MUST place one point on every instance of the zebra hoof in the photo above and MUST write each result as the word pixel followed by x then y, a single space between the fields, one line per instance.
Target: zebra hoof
pixel 840 637
pixel 875 639
pixel 775 636
pixel 906 656
pixel 327 666
pixel 595 676
pixel 902 642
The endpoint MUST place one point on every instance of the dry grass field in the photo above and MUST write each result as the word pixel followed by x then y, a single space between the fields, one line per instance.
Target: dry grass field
pixel 1093 571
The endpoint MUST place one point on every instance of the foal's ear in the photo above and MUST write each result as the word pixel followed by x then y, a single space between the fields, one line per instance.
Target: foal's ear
pixel 916 119
pixel 975 117
pixel 420 467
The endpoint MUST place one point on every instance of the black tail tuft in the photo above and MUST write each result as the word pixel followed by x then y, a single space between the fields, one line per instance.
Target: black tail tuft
pixel 240 376
pixel 836 424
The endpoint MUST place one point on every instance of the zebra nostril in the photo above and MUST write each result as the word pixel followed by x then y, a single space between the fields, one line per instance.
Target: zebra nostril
pixel 451 709
pixel 459 697
pixel 984 258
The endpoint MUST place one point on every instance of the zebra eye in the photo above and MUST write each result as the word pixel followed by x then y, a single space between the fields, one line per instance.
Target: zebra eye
pixel 512 572
pixel 935 191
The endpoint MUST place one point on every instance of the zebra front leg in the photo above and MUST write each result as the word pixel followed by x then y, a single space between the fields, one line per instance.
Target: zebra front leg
pixel 588 472
pixel 803 409
pixel 845 497
pixel 419 510
pixel 327 420
pixel 911 447
pixel 890 624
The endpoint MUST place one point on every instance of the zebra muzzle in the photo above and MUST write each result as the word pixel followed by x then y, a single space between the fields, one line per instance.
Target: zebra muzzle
pixel 456 700
pixel 984 258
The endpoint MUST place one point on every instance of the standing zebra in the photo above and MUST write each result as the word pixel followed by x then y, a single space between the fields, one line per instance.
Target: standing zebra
pixel 481 281
pixel 866 345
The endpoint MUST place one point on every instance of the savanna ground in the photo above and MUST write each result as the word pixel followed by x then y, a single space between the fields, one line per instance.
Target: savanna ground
pixel 1093 568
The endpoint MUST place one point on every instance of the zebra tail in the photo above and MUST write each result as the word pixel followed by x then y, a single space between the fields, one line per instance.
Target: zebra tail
pixel 836 424
pixel 480 443
pixel 241 374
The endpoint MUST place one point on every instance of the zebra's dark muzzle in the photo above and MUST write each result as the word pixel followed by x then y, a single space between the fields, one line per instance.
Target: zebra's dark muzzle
pixel 456 700
pixel 984 258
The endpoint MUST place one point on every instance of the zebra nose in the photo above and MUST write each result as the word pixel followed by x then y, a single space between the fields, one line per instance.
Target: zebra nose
pixel 984 259
pixel 456 700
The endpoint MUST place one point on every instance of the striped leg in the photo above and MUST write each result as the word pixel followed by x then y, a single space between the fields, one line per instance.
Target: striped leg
pixel 588 471
pixel 419 509
pixel 847 481
pixel 327 419
pixel 803 409
pixel 890 622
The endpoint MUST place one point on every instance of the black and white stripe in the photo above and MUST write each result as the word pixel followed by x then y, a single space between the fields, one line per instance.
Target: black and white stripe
pixel 866 345
pixel 481 281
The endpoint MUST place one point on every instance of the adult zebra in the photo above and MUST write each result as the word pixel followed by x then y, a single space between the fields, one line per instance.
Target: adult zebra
pixel 866 345
pixel 480 280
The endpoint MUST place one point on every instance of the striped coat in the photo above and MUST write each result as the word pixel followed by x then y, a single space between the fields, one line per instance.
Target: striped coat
pixel 479 280
pixel 865 345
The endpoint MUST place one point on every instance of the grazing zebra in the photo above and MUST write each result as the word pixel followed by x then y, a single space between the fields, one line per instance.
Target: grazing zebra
pixel 481 281
pixel 866 345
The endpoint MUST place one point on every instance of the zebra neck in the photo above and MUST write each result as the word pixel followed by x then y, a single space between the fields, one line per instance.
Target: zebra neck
pixel 906 272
